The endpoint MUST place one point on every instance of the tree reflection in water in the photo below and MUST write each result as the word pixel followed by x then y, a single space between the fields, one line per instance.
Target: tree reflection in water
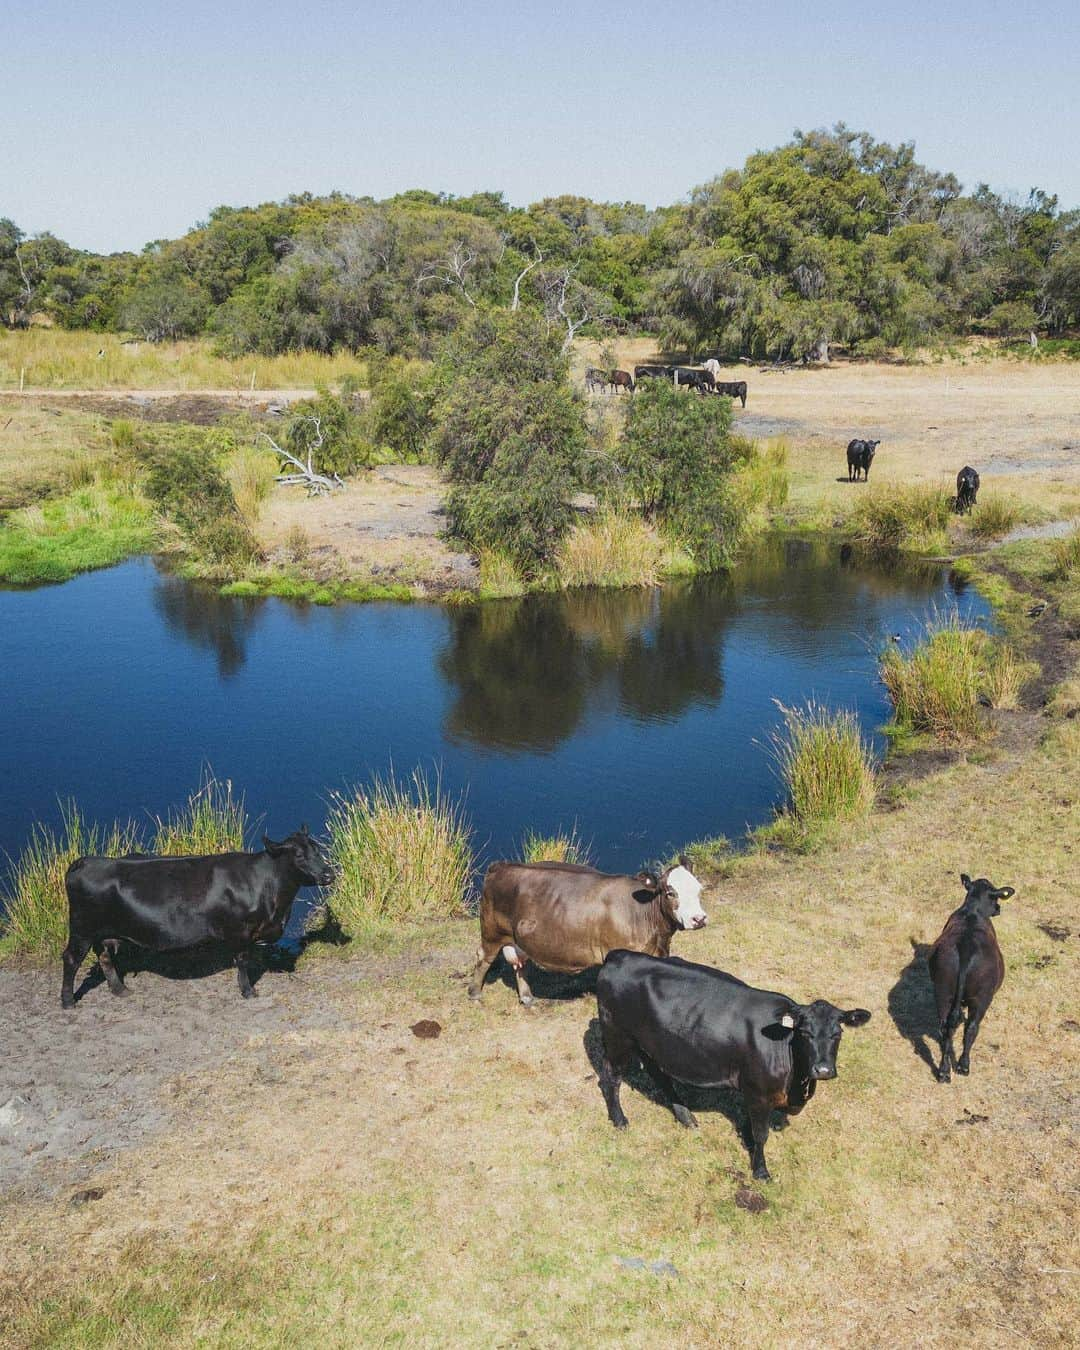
pixel 199 614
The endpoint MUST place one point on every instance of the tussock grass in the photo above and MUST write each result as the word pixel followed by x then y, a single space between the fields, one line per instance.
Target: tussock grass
pixel 34 918
pixel 764 479
pixel 213 820
pixel 613 549
pixel 564 847
pixel 403 851
pixel 826 766
pixel 499 576
pixel 940 686
pixel 51 358
pixel 996 514
pixel 896 518
pixel 251 472
pixel 35 915
pixel 1065 558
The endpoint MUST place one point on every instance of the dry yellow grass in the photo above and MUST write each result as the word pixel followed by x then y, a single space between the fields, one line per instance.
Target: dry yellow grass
pixel 469 1191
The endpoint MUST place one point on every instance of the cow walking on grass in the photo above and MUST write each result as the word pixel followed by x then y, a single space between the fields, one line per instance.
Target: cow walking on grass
pixel 170 904
pixel 967 969
pixel 566 918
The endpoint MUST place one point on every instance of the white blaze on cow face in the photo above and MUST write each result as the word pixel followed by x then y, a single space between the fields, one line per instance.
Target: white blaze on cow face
pixel 687 888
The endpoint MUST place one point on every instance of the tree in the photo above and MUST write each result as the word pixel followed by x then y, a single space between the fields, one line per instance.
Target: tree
pixel 510 437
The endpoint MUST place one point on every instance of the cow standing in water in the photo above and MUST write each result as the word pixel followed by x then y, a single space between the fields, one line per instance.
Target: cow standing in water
pixel 170 904
pixel 967 969
pixel 566 918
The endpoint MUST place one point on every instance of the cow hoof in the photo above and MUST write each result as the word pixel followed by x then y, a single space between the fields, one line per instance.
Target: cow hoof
pixel 474 994
pixel 528 1001
pixel 120 990
pixel 944 1077
pixel 67 1002
pixel 249 993
pixel 762 1174
pixel 686 1118
pixel 963 1068
pixel 621 1124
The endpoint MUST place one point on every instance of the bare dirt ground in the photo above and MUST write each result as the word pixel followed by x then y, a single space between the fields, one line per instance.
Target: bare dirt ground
pixel 387 522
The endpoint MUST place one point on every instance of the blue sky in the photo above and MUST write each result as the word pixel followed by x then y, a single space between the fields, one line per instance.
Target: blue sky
pixel 126 122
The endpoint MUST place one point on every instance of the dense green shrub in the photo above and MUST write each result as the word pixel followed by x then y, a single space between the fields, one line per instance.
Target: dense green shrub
pixel 511 438
pixel 186 484
pixel 333 430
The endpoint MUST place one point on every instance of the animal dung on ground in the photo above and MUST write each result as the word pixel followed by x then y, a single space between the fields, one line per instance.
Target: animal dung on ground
pixel 752 1201
pixel 426 1029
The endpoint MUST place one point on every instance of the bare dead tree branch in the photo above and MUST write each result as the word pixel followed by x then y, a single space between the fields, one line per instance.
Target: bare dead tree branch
pixel 515 303
pixel 306 475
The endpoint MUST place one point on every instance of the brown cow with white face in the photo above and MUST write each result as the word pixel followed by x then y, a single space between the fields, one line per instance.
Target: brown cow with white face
pixel 566 918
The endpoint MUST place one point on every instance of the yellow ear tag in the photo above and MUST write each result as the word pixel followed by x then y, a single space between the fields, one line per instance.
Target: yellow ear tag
pixel 787 1021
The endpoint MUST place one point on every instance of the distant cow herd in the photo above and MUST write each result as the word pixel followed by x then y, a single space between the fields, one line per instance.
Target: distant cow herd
pixel 686 1023
pixel 702 379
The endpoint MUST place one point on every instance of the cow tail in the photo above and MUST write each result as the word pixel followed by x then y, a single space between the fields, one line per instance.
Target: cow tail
pixel 965 955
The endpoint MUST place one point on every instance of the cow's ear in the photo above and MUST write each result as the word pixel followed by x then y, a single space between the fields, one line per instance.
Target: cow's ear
pixel 275 850
pixel 1004 893
pixel 966 880
pixel 855 1017
pixel 684 861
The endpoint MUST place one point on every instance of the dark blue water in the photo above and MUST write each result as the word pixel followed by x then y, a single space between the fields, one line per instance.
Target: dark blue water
pixel 641 718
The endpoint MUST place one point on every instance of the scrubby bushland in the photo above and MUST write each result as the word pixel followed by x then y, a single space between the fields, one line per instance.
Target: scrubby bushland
pixel 511 438
pixel 940 687
pixel 33 902
pixel 826 766
pixel 678 466
pixel 403 852
pixel 832 238
pixel 183 479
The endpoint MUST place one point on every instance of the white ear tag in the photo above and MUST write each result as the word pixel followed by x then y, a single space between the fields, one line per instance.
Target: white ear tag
pixel 787 1021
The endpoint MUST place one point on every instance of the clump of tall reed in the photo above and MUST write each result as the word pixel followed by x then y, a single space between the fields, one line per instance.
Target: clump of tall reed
pixel 33 902
pixel 499 576
pixel 403 851
pixel 1065 557
pixel 826 765
pixel 901 517
pixel 996 514
pixel 564 847
pixel 941 686
pixel 614 548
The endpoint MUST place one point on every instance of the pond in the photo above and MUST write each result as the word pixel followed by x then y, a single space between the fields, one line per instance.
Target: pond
pixel 640 718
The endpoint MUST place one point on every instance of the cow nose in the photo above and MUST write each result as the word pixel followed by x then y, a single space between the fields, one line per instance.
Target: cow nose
pixel 701 921
pixel 824 1071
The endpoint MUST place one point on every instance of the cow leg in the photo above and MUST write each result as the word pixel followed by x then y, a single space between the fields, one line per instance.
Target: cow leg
pixel 105 952
pixel 525 994
pixel 620 1053
pixel 670 1093
pixel 486 957
pixel 243 975
pixel 759 1133
pixel 948 1054
pixel 74 955
pixel 971 1030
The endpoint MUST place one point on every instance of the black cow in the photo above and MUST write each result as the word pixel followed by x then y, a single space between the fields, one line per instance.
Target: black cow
pixel 698 1025
pixel 701 380
pixel 967 489
pixel 652 373
pixel 732 388
pixel 860 455
pixel 967 968
pixel 167 904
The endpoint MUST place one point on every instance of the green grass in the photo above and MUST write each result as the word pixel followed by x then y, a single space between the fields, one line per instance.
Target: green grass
pixel 33 905
pixel 565 847
pixel 93 526
pixel 250 473
pixel 826 766
pixel 939 687
pixel 291 585
pixel 403 851
pixel 908 518
pixel 612 549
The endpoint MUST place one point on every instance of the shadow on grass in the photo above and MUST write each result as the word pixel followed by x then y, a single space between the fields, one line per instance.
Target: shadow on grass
pixel 196 963
pixel 727 1102
pixel 912 1008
